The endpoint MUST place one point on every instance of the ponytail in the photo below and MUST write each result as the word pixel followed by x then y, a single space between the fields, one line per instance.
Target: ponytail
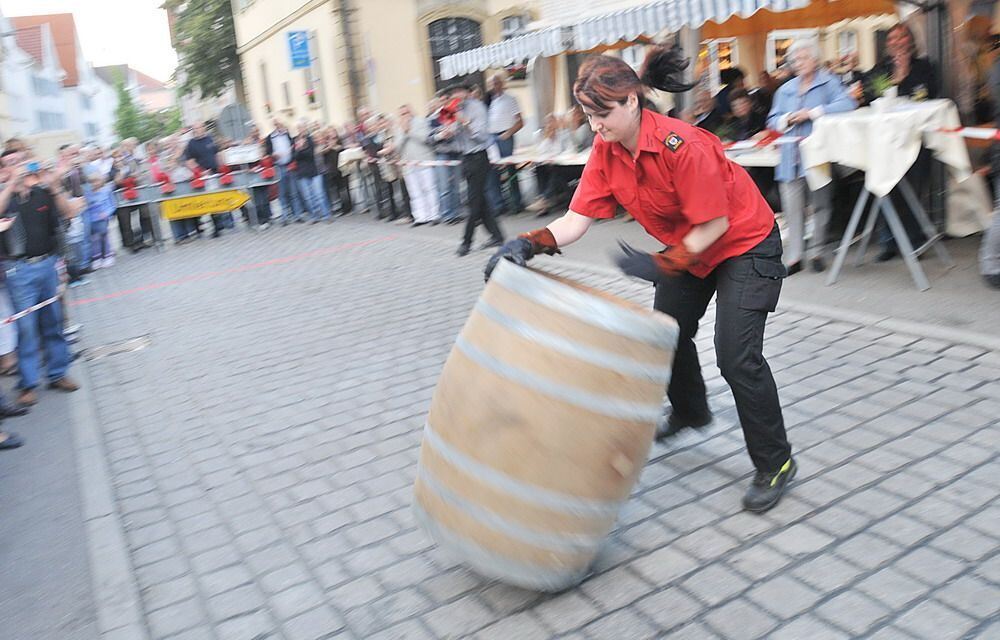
pixel 663 69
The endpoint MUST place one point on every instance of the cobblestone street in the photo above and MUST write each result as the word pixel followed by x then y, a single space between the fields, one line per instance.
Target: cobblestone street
pixel 261 451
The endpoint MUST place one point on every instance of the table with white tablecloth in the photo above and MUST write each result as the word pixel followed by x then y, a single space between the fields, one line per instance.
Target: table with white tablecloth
pixel 884 141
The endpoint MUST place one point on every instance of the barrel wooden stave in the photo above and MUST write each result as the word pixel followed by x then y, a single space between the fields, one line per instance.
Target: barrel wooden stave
pixel 540 424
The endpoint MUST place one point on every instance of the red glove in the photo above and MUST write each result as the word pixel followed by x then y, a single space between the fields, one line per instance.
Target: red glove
pixel 542 241
pixel 226 178
pixel 654 267
pixel 197 182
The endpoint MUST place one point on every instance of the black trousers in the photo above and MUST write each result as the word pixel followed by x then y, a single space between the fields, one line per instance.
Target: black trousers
pixel 747 287
pixel 124 215
pixel 262 204
pixel 476 167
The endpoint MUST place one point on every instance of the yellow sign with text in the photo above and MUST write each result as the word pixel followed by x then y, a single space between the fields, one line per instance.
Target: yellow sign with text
pixel 203 204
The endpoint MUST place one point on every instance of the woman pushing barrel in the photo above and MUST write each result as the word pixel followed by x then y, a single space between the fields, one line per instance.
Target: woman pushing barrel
pixel 720 237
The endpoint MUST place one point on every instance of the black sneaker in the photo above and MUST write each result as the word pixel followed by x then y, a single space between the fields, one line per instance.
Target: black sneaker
pixel 463 250
pixel 495 242
pixel 676 423
pixel 766 489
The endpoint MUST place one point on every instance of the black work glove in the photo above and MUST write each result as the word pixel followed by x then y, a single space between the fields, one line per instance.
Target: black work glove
pixel 518 251
pixel 657 267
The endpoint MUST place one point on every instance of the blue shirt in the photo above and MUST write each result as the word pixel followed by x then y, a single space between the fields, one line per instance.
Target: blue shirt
pixel 101 203
pixel 825 92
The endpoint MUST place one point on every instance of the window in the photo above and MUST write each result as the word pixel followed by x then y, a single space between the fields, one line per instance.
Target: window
pixel 312 98
pixel 90 129
pixel 453 35
pixel 48 121
pixel 85 102
pixel 715 56
pixel 44 86
pixel 779 41
pixel 288 93
pixel 511 27
pixel 265 88
pixel 847 42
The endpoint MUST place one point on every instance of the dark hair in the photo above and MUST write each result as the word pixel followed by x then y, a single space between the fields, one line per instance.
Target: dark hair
pixel 603 80
pixel 738 94
pixel 731 75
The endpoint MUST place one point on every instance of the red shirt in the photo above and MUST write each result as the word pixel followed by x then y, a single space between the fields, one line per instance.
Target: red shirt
pixel 680 178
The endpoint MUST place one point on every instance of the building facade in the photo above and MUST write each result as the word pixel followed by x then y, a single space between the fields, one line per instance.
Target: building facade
pixel 65 91
pixel 380 54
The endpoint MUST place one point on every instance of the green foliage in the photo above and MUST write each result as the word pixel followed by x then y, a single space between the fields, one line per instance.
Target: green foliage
pixel 133 122
pixel 206 44
pixel 128 116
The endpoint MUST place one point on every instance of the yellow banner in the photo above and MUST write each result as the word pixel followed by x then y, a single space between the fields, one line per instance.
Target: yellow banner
pixel 204 204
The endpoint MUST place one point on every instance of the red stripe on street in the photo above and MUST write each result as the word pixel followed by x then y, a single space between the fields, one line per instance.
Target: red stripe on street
pixel 198 277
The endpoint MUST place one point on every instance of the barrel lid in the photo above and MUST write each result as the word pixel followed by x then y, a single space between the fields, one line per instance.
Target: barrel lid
pixel 597 309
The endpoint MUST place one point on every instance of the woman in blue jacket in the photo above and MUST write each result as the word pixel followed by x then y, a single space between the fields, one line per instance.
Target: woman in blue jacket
pixel 797 103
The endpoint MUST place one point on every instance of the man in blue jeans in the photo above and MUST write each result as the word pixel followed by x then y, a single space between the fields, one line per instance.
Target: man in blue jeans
pixel 449 177
pixel 32 245
pixel 504 121
pixel 279 144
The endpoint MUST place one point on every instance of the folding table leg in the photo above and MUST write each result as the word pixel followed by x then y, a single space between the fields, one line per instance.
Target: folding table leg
pixel 905 248
pixel 866 235
pixel 925 223
pixel 845 242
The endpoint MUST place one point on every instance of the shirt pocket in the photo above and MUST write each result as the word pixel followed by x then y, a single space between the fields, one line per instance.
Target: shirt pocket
pixel 659 201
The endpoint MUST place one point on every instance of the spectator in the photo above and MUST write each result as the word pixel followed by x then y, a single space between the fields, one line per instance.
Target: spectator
pixel 504 121
pixel 261 201
pixel 731 79
pixel 307 177
pixel 744 122
pixel 704 114
pixel 202 154
pixel 127 165
pixel 806 97
pixel 581 136
pixel 32 246
pixel 470 129
pixel 914 78
pixel 279 145
pixel 338 184
pixel 550 141
pixel 449 176
pixel 413 147
pixel 100 198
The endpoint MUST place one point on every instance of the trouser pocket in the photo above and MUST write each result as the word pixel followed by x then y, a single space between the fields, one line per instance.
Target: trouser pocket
pixel 763 285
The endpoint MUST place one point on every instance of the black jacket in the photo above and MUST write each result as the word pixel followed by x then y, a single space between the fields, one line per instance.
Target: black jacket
pixel 305 158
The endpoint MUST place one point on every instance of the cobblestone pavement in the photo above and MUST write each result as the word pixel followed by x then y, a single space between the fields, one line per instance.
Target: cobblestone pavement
pixel 262 450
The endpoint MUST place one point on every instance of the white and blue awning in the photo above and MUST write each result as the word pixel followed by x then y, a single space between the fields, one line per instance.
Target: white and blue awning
pixel 547 42
pixel 624 25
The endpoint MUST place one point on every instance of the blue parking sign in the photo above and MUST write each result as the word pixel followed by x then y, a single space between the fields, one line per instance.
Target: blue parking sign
pixel 298 46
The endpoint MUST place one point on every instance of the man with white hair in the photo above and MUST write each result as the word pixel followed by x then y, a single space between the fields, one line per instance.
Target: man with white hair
pixel 797 103
pixel 504 121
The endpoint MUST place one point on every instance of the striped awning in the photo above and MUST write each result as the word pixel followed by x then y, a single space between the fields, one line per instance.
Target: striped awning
pixel 667 15
pixel 625 25
pixel 547 42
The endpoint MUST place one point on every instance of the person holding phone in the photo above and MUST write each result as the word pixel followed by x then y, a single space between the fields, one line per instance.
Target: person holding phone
pixel 33 244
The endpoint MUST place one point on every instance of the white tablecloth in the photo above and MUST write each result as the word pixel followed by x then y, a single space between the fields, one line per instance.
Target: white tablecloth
pixel 884 143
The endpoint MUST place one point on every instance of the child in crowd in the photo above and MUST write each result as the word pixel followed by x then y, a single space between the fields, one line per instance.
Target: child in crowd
pixel 101 205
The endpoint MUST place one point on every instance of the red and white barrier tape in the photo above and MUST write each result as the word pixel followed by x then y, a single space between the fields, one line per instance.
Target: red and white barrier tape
pixel 20 314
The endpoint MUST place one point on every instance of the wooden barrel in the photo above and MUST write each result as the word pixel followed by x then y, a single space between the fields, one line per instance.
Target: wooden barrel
pixel 539 427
